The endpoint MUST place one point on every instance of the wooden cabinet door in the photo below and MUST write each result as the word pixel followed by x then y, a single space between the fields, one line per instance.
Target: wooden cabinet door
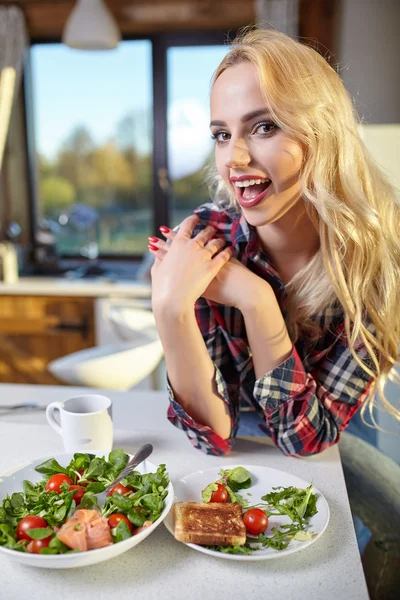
pixel 34 330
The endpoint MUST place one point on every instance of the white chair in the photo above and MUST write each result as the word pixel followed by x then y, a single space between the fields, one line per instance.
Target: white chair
pixel 116 366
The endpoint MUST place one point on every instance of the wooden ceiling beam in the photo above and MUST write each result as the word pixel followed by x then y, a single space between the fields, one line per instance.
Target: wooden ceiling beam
pixel 46 19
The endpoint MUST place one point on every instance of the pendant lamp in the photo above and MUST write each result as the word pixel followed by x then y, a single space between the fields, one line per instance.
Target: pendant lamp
pixel 91 26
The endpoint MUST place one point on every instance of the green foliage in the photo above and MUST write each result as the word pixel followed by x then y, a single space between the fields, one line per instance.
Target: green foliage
pixel 57 194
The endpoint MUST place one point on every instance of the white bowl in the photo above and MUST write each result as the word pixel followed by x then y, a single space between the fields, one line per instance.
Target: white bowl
pixel 12 482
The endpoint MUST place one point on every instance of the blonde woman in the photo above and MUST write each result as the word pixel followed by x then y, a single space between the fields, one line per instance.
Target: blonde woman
pixel 280 296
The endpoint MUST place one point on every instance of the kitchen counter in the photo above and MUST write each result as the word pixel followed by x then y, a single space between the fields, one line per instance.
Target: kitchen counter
pixel 56 286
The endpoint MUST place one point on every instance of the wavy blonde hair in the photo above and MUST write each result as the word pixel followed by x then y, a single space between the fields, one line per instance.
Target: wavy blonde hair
pixel 347 197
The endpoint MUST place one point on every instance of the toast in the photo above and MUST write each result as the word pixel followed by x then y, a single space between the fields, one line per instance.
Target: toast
pixel 213 523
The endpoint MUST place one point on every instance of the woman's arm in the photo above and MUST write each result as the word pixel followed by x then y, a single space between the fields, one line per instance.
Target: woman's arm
pixel 268 337
pixel 191 372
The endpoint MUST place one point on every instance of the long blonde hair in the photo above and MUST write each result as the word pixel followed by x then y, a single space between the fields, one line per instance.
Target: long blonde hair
pixel 348 199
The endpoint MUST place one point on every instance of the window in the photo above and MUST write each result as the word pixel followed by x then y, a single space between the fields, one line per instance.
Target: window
pixel 93 137
pixel 107 173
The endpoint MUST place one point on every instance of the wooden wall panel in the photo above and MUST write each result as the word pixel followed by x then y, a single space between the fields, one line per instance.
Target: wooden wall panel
pixel 34 330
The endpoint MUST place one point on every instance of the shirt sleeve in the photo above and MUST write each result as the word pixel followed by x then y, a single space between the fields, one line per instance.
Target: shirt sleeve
pixel 227 382
pixel 305 412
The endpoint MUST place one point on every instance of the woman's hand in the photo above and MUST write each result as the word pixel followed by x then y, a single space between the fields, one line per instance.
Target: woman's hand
pixel 184 271
pixel 233 285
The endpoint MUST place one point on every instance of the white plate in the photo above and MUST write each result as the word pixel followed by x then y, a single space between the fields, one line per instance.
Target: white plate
pixel 263 480
pixel 12 482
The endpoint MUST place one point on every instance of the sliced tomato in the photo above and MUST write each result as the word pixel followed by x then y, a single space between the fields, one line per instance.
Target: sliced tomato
pixel 116 518
pixel 29 522
pixel 55 482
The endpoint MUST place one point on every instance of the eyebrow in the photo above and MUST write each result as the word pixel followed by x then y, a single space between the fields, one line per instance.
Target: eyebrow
pixel 261 112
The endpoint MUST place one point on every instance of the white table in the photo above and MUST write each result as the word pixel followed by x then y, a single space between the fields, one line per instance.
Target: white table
pixel 160 567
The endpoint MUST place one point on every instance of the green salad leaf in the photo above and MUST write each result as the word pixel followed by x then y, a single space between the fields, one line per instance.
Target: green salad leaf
pixel 207 492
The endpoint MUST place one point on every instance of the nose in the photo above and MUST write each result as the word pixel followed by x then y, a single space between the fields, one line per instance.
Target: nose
pixel 238 155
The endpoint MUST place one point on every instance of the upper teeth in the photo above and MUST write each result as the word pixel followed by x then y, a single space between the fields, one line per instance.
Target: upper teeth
pixel 248 182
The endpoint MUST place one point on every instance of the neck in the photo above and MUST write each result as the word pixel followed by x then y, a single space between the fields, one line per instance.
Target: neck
pixel 291 241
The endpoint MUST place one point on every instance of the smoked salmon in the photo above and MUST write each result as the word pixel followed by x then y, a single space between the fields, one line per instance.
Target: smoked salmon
pixel 85 530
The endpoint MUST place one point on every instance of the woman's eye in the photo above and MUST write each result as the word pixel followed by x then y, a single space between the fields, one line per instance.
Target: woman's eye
pixel 265 128
pixel 221 136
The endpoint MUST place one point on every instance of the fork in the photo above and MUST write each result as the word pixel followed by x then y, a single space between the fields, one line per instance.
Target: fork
pixel 143 453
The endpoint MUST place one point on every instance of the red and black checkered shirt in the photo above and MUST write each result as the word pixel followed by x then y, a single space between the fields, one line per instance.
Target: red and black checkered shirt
pixel 304 402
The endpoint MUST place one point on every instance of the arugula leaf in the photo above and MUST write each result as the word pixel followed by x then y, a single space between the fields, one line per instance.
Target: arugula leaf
pixel 236 549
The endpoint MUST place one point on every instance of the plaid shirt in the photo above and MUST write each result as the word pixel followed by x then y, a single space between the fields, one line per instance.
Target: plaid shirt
pixel 305 401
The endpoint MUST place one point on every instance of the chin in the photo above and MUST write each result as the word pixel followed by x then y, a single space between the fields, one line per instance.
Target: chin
pixel 260 218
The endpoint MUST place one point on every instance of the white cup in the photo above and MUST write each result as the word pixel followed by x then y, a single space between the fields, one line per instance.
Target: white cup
pixel 85 422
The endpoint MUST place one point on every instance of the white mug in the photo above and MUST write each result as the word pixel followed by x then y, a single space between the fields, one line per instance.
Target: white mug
pixel 85 422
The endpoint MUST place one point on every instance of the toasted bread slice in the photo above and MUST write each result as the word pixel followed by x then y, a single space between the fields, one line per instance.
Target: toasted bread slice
pixel 215 523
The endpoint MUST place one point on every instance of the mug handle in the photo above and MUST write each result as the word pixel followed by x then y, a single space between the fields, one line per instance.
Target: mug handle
pixel 50 410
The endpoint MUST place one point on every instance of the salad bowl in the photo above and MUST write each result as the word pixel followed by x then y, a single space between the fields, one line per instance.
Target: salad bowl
pixel 12 482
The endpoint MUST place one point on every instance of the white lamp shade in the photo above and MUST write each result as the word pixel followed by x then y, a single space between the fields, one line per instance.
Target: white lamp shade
pixel 91 26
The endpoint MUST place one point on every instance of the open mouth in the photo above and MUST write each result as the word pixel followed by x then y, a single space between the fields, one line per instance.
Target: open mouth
pixel 252 191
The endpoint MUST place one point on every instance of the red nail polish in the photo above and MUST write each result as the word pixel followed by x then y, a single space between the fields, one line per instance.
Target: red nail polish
pixel 151 247
pixel 152 238
pixel 164 229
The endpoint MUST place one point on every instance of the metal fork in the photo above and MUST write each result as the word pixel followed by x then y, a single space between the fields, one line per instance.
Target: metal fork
pixel 143 453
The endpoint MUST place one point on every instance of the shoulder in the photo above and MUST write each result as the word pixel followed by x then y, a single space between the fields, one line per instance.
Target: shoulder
pixel 218 216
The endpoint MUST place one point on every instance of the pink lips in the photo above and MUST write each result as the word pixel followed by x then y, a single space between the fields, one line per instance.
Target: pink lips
pixel 253 201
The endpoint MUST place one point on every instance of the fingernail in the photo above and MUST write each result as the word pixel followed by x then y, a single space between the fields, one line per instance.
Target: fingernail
pixel 152 238
pixel 164 229
pixel 151 247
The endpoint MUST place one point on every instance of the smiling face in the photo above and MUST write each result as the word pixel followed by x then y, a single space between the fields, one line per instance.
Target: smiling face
pixel 258 161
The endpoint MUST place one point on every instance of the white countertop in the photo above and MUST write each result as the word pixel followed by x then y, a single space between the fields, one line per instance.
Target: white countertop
pixel 56 286
pixel 160 567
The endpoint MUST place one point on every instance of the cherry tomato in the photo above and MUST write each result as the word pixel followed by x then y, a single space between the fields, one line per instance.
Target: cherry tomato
pixel 119 489
pixel 29 522
pixel 255 520
pixel 35 546
pixel 55 481
pixel 114 519
pixel 220 495
pixel 78 494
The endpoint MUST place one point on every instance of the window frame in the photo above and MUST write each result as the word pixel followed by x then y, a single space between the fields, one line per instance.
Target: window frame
pixel 160 200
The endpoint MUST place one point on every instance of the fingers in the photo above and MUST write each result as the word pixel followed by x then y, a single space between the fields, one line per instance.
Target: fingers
pixel 220 259
pixel 168 233
pixel 214 245
pixel 205 235
pixel 187 226
pixel 157 247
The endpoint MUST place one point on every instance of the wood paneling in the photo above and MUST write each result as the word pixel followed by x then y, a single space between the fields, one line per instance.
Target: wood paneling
pixel 317 18
pixel 34 330
pixel 318 22
pixel 46 18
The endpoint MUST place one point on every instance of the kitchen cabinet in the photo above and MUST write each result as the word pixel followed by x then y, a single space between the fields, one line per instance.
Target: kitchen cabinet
pixel 34 330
